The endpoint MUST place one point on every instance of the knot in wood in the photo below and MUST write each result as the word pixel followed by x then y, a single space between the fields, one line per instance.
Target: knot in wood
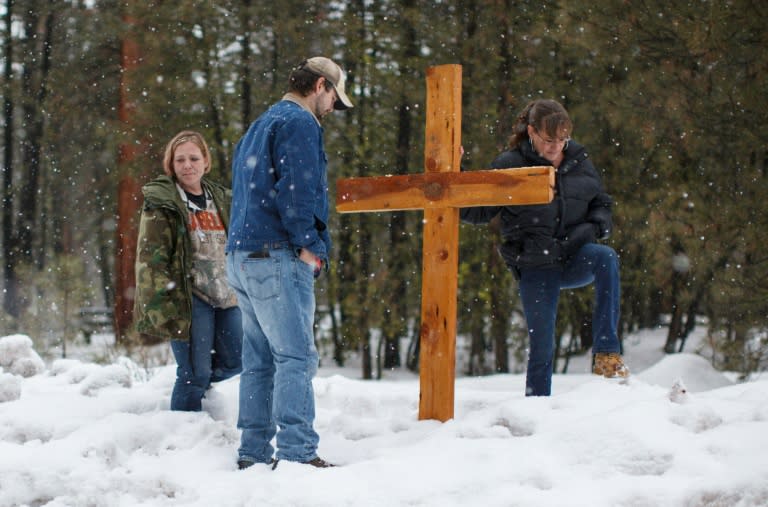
pixel 433 191
pixel 427 335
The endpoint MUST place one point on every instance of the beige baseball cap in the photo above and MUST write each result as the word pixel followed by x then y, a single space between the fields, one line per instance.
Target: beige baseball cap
pixel 333 73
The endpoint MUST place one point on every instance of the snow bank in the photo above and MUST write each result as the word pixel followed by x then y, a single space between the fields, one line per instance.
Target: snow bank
pixel 695 372
pixel 10 387
pixel 18 357
pixel 102 435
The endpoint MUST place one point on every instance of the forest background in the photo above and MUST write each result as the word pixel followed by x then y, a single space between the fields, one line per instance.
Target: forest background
pixel 669 97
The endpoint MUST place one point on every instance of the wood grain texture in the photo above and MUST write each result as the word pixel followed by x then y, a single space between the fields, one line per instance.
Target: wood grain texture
pixel 499 187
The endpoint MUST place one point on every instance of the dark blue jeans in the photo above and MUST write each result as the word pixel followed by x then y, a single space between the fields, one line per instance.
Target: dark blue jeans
pixel 213 353
pixel 540 292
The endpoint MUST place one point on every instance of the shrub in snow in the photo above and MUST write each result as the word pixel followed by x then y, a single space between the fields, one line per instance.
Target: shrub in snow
pixel 137 373
pixel 93 377
pixel 107 376
pixel 62 366
pixel 74 370
pixel 18 357
pixel 10 387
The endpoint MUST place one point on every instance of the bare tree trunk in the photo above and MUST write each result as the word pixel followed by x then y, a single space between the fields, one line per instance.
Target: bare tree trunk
pixel 338 347
pixel 22 241
pixel 10 301
pixel 676 319
pixel 362 322
pixel 245 68
pixel 501 310
pixel 413 355
pixel 45 29
pixel 500 326
pixel 476 363
pixel 216 123
pixel 127 201
pixel 34 86
pixel 395 315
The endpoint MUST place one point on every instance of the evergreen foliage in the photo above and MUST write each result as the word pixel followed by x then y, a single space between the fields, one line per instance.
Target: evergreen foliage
pixel 669 98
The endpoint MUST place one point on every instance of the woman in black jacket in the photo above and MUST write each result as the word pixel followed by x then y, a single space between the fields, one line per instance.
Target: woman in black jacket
pixel 553 246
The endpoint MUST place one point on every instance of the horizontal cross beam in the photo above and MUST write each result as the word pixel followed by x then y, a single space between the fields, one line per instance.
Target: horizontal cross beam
pixel 528 185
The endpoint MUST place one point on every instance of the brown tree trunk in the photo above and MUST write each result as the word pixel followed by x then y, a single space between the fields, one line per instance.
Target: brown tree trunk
pixel 127 201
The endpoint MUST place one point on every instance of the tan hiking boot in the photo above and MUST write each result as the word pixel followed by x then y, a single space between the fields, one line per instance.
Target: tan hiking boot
pixel 609 365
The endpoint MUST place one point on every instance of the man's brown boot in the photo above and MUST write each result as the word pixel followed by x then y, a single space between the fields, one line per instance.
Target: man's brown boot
pixel 318 462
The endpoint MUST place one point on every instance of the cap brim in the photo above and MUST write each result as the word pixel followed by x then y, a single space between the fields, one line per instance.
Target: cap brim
pixel 342 102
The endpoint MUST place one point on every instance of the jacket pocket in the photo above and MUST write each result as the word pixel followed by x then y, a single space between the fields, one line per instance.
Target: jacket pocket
pixel 533 252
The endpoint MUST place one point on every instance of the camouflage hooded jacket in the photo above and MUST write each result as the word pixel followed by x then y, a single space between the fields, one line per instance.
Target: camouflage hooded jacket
pixel 163 299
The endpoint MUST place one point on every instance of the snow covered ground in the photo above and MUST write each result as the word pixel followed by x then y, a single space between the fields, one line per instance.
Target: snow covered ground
pixel 77 433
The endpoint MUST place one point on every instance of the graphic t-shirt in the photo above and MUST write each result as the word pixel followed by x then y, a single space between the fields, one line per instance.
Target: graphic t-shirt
pixel 209 237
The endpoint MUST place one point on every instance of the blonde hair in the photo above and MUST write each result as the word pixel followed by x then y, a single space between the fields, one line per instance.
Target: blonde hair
pixel 185 136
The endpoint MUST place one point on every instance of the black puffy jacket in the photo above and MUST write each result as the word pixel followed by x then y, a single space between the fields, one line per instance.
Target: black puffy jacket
pixel 546 235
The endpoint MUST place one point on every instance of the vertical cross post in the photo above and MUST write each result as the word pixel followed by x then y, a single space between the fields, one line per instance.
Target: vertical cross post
pixel 440 191
pixel 440 248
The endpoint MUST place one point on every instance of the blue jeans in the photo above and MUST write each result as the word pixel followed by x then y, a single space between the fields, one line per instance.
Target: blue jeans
pixel 540 292
pixel 213 353
pixel 277 299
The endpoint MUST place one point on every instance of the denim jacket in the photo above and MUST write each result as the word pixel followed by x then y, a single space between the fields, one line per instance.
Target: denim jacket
pixel 279 183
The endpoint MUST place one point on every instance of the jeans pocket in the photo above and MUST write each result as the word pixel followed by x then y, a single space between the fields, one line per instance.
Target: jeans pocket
pixel 263 278
pixel 305 274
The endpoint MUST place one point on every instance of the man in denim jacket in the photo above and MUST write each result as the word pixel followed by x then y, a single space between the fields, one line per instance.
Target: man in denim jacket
pixel 278 244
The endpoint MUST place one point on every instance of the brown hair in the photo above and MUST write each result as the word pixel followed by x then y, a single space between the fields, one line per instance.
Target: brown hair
pixel 302 80
pixel 185 136
pixel 546 116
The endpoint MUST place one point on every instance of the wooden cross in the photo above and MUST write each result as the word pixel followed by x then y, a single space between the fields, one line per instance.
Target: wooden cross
pixel 440 191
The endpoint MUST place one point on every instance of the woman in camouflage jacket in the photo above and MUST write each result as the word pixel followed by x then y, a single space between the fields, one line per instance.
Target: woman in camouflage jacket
pixel 182 294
